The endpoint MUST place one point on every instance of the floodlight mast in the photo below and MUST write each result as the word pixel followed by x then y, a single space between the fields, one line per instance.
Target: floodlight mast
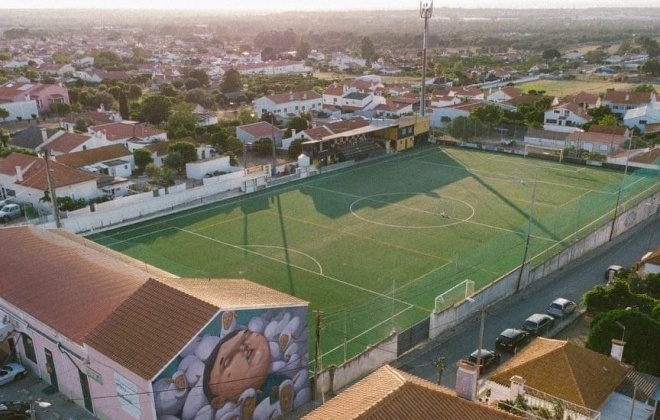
pixel 425 12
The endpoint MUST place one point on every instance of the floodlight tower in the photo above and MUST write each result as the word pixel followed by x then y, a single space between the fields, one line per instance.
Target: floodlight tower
pixel 425 12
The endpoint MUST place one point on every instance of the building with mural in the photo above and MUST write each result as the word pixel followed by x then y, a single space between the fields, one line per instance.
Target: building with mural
pixel 129 341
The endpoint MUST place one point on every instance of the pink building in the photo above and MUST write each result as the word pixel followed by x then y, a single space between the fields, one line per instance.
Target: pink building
pixel 125 343
pixel 44 95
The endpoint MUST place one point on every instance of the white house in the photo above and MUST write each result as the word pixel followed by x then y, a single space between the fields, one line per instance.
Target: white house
pixel 565 118
pixel 23 178
pixel 202 168
pixel 620 102
pixel 503 94
pixel 643 116
pixel 285 105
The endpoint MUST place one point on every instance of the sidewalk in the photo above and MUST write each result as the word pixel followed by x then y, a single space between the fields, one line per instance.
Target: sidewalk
pixel 31 389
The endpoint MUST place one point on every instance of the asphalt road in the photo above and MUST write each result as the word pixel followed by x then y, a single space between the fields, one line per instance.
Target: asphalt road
pixel 571 282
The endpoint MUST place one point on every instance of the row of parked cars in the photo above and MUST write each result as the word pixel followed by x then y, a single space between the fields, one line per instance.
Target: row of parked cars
pixel 513 339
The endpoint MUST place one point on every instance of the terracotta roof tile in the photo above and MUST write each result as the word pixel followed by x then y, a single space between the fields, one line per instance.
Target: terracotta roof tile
pixel 90 156
pixel 391 394
pixel 608 129
pixel 283 98
pixel 121 131
pixel 619 97
pixel 139 333
pixel 61 175
pixel 260 129
pixel 564 370
pixel 67 142
pixel 8 165
pixel 66 285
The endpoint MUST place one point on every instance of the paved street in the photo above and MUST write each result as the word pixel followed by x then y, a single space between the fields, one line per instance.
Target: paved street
pixel 571 282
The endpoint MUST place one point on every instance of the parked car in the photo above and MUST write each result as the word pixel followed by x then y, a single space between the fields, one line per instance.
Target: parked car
pixel 10 211
pixel 538 324
pixel 512 340
pixel 612 271
pixel 561 307
pixel 10 372
pixel 487 359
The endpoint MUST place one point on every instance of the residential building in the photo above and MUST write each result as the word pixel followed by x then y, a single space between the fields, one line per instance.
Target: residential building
pixel 389 393
pixel 43 95
pixel 620 102
pixel 504 94
pixel 285 105
pixel 127 132
pixel 594 142
pixel 250 133
pixel 547 370
pixel 129 341
pixel 32 137
pixel 566 117
pixel 24 179
pixel 647 115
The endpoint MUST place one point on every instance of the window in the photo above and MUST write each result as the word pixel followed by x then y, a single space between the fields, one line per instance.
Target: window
pixel 10 193
pixel 551 121
pixel 642 122
pixel 28 345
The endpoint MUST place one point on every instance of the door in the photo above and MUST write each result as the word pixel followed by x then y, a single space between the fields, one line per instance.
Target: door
pixel 84 386
pixel 50 368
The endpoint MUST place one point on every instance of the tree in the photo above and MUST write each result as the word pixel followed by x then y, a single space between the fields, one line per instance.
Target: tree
pixel 303 50
pixel 60 109
pixel 133 91
pixel 650 68
pixel 82 124
pixel 201 97
pixel 264 146
pixel 610 120
pixel 646 88
pixel 106 58
pixel 551 54
pixel 156 109
pixel 295 148
pixel 298 123
pixel 488 114
pixel 199 75
pixel 231 81
pixel 4 114
pixel 123 105
pixel 187 150
pixel 595 56
pixel 142 158
pixel 174 161
pixel 182 122
pixel 367 50
pixel 162 176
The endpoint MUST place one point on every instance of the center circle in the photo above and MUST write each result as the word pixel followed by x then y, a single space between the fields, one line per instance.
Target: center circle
pixel 422 210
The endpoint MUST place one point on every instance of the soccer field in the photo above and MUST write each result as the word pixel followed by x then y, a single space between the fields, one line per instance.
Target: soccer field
pixel 373 245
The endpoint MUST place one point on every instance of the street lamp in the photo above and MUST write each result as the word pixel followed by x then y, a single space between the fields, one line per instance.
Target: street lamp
pixel 481 343
pixel 272 134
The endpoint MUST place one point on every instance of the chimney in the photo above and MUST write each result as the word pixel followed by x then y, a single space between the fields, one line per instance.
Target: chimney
pixel 627 97
pixel 19 174
pixel 517 386
pixel 617 349
pixel 293 132
pixel 44 134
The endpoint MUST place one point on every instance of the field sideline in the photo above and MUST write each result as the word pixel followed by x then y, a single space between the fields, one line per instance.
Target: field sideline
pixel 373 245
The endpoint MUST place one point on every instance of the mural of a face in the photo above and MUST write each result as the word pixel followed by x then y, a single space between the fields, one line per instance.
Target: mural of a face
pixel 239 361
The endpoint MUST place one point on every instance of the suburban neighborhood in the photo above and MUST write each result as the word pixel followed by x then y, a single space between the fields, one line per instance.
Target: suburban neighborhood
pixel 291 224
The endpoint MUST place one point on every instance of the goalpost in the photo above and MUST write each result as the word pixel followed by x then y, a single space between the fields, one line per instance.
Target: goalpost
pixel 453 295
pixel 544 150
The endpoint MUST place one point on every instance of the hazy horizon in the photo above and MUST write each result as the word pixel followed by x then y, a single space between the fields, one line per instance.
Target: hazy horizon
pixel 319 5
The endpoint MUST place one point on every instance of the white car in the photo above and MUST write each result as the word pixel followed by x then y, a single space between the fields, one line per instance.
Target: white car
pixel 561 307
pixel 10 211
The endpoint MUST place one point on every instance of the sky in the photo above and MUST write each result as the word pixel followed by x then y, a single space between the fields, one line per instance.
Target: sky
pixel 282 5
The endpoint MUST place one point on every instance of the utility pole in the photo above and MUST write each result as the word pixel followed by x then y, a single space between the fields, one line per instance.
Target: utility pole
pixel 425 12
pixel 51 191
pixel 272 133
pixel 317 353
pixel 481 343
pixel 529 235
pixel 618 196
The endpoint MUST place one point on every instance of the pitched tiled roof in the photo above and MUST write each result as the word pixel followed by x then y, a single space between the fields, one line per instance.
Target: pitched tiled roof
pixel 618 97
pixel 283 98
pixel 66 285
pixel 575 109
pixel 67 142
pixel 61 175
pixel 564 370
pixel 32 136
pixel 546 134
pixel 95 116
pixel 609 139
pixel 138 335
pixel 345 125
pixel 90 156
pixel 150 327
pixel 8 165
pixel 120 131
pixel 392 394
pixel 233 293
pixel 260 129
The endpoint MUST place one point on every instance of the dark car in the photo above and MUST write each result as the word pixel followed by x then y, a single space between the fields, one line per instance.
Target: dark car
pixel 488 359
pixel 512 340
pixel 538 324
